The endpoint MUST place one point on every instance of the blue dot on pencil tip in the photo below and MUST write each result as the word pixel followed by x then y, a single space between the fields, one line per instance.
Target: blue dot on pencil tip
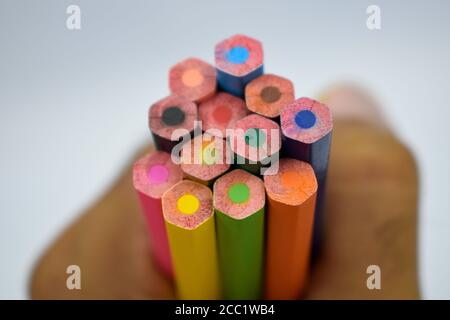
pixel 238 55
pixel 305 119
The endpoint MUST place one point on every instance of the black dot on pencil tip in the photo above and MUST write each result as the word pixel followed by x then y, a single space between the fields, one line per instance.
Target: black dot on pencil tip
pixel 173 116
pixel 270 94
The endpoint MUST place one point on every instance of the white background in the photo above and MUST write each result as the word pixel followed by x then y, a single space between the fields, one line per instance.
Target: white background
pixel 73 104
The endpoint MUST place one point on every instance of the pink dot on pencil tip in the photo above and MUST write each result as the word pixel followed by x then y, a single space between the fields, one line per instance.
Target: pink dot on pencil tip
pixel 158 174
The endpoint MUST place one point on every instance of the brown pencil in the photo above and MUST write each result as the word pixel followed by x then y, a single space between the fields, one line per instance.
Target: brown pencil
pixel 268 94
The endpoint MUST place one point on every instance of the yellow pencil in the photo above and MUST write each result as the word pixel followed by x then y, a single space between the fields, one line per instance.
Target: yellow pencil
pixel 189 219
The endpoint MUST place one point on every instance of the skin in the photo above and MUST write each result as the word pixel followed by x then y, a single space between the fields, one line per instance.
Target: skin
pixel 371 219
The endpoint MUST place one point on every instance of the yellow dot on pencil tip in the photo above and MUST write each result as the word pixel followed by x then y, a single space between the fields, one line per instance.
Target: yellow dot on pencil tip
pixel 188 204
pixel 208 154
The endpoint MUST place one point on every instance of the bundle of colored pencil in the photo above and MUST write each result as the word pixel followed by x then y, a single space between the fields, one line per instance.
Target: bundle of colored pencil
pixel 233 198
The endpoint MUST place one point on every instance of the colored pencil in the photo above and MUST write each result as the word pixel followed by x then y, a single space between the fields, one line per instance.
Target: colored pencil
pixel 239 200
pixel 221 112
pixel 168 115
pixel 239 60
pixel 153 174
pixel 189 216
pixel 256 142
pixel 291 195
pixel 307 126
pixel 193 79
pixel 268 94
pixel 205 158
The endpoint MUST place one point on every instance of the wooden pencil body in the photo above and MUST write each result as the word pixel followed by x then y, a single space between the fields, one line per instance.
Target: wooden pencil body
pixel 307 127
pixel 316 154
pixel 291 196
pixel 241 252
pixel 235 85
pixel 171 120
pixel 153 174
pixel 190 223
pixel 152 210
pixel 194 258
pixel 239 60
pixel 239 204
pixel 289 230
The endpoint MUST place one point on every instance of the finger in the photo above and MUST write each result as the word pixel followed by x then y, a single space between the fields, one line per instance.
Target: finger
pixel 371 207
pixel 109 243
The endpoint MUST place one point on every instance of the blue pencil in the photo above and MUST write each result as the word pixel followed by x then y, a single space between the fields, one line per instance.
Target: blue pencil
pixel 239 60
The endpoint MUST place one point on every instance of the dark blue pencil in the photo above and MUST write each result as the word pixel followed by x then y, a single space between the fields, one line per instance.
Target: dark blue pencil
pixel 307 127
pixel 239 60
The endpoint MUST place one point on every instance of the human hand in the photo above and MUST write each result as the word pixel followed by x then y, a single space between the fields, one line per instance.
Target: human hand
pixel 371 219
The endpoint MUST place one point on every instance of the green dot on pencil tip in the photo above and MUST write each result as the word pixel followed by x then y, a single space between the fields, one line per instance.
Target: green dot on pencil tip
pixel 255 137
pixel 239 193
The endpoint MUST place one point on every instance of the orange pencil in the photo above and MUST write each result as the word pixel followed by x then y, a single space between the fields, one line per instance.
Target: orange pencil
pixel 291 194
pixel 193 79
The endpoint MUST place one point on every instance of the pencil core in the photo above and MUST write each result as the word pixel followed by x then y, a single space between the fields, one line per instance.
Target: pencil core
pixel 239 193
pixel 173 116
pixel 305 119
pixel 291 179
pixel 255 137
pixel 158 174
pixel 270 94
pixel 188 204
pixel 208 153
pixel 238 55
pixel 222 114
pixel 192 78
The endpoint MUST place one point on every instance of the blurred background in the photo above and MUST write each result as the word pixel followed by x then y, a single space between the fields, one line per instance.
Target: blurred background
pixel 73 103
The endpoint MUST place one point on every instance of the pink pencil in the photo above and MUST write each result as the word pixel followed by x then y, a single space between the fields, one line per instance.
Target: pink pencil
pixel 153 174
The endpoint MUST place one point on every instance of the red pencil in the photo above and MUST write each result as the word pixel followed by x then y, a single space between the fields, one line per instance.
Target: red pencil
pixel 221 112
pixel 153 174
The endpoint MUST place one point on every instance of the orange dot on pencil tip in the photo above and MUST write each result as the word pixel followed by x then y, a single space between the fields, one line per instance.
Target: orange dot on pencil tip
pixel 192 78
pixel 291 179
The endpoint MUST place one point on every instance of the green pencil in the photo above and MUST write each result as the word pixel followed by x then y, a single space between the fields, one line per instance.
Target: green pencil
pixel 239 200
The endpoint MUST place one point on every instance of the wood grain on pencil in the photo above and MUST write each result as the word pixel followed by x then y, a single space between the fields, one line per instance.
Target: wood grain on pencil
pixel 221 112
pixel 205 158
pixel 168 115
pixel 268 94
pixel 239 60
pixel 254 140
pixel 193 79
